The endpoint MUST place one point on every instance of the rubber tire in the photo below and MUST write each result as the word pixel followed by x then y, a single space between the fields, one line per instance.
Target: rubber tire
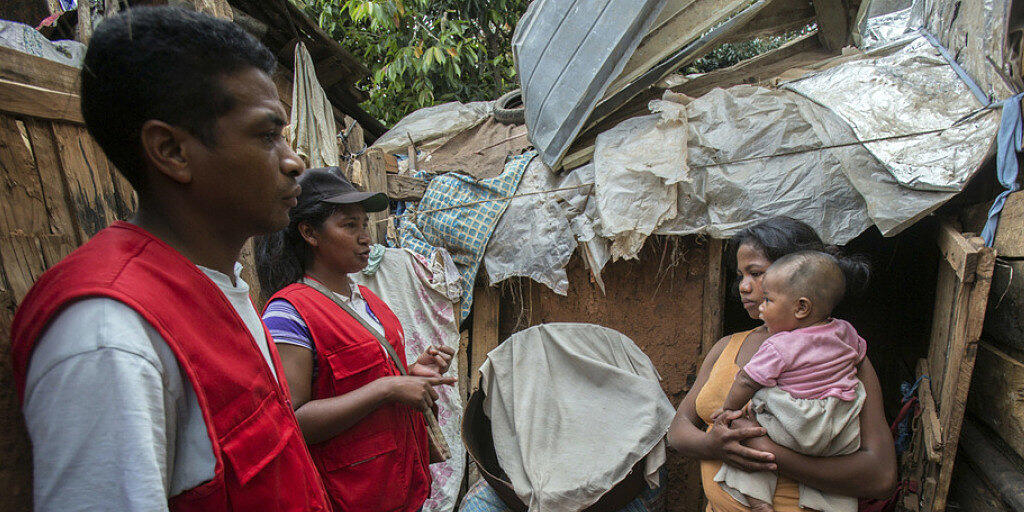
pixel 508 109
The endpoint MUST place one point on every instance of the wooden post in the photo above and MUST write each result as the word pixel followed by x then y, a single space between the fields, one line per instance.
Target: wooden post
pixel 463 362
pixel 714 296
pixel 373 167
pixel 833 23
pixel 484 337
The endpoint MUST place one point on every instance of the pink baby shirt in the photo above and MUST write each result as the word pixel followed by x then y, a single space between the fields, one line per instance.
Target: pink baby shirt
pixel 813 362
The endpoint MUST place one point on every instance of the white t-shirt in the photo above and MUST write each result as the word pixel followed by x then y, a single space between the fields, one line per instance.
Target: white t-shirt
pixel 114 421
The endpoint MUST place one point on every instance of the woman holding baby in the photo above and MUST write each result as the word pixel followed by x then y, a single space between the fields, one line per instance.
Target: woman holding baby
pixel 810 381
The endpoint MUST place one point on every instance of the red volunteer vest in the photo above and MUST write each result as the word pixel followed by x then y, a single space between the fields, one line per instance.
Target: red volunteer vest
pixel 379 464
pixel 261 459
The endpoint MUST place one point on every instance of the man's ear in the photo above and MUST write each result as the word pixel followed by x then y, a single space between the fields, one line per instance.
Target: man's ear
pixel 309 234
pixel 803 308
pixel 163 146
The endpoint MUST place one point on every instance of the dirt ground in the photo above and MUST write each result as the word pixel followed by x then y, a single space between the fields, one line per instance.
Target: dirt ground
pixel 656 301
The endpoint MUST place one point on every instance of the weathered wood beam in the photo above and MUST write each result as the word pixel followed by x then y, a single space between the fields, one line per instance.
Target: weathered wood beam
pixel 833 23
pixel 29 100
pixel 995 467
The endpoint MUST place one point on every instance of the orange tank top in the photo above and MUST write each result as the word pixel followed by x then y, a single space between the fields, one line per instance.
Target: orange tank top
pixel 710 398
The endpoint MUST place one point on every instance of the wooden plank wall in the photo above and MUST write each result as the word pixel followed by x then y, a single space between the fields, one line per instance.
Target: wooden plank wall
pixel 58 189
pixel 996 399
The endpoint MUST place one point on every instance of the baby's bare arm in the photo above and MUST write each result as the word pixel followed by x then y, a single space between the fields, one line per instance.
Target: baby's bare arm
pixel 743 388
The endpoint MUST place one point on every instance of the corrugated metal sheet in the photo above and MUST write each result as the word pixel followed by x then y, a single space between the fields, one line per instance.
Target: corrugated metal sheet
pixel 567 53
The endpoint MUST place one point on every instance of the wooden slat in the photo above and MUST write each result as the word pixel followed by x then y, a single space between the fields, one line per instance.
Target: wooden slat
pixel 993 465
pixel 945 296
pixel 714 296
pixel 484 337
pixel 997 394
pixel 30 100
pixel 462 358
pixel 29 69
pixel 833 23
pixel 87 186
pixel 376 181
pixel 958 252
pixel 680 22
pixel 1009 241
pixel 121 192
pixel 929 418
pixel 248 260
pixel 54 187
pixel 15 453
pixel 23 216
pixel 962 355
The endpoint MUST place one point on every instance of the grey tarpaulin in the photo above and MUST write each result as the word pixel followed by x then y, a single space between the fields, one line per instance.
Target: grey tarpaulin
pixel 534 225
pixel 537 234
pixel 26 39
pixel 904 88
pixel 434 125
pixel 567 53
pixel 637 165
pixel 554 393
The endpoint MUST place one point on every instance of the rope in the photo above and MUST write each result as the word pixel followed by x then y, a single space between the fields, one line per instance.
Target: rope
pixel 703 166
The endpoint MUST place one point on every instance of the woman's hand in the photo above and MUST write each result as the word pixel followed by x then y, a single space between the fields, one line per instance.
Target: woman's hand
pixel 728 440
pixel 412 390
pixel 433 362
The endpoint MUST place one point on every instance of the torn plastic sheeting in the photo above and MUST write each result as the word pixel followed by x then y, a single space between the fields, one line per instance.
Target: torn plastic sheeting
pixel 735 134
pixel 25 39
pixel 533 237
pixel 910 90
pixel 314 136
pixel 434 124
pixel 648 154
pixel 882 22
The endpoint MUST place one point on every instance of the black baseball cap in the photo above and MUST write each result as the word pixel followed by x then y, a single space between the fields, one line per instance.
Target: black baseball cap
pixel 329 185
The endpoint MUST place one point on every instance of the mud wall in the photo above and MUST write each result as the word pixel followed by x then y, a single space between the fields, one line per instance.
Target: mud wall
pixel 657 301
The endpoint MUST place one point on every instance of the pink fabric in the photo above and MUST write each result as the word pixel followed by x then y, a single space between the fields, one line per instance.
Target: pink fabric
pixel 814 362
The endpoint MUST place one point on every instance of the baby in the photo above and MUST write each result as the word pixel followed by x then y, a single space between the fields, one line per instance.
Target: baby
pixel 802 382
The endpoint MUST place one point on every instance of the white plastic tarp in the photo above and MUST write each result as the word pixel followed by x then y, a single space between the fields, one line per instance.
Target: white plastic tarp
pixel 533 237
pixel 554 392
pixel 903 89
pixel 433 125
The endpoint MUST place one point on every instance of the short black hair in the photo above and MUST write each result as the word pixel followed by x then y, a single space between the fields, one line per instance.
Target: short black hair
pixel 779 236
pixel 815 275
pixel 161 63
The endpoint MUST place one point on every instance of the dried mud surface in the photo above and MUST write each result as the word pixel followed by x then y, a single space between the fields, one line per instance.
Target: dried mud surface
pixel 656 301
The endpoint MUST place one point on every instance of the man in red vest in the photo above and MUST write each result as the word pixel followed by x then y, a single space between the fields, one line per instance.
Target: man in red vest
pixel 146 377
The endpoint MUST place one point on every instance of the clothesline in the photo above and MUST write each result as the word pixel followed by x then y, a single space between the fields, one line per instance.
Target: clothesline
pixel 701 166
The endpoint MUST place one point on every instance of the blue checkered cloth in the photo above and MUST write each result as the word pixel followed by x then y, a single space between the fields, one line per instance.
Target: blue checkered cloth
pixel 463 231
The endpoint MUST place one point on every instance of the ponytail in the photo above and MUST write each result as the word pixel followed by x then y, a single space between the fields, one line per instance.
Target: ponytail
pixel 856 269
pixel 282 257
pixel 778 236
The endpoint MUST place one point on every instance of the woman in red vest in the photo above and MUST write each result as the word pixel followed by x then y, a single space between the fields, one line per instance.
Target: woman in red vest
pixel 361 418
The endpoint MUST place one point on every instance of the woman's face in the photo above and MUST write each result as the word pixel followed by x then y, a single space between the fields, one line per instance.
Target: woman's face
pixel 342 243
pixel 751 264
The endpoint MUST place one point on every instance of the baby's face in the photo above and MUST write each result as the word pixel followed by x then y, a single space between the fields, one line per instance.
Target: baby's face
pixel 778 310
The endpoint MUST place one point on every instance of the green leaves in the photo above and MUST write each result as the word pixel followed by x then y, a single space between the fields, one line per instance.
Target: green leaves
pixel 423 52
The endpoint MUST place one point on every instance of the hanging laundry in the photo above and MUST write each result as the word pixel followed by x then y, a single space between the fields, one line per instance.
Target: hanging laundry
pixel 424 292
